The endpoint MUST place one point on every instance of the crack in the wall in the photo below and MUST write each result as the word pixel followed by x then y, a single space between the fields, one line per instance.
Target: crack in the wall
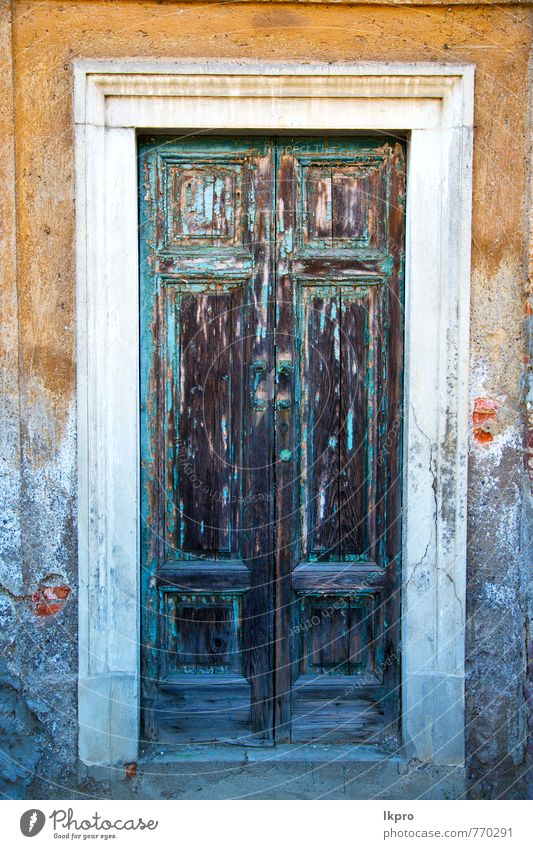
pixel 433 474
pixel 432 461
pixel 415 566
pixel 452 581
pixel 13 596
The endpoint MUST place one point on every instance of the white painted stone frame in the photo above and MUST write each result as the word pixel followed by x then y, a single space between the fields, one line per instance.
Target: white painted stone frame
pixel 435 104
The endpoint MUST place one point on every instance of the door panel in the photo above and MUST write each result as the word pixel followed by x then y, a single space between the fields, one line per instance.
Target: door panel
pixel 210 418
pixel 341 347
pixel 272 355
pixel 206 333
pixel 339 258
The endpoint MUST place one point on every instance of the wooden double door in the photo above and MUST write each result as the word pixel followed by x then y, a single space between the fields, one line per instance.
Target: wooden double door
pixel 271 383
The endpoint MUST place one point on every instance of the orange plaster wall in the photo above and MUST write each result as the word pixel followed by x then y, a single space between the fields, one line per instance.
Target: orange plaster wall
pixel 47 36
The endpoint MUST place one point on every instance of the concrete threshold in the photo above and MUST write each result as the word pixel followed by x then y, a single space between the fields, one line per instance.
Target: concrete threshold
pixel 291 753
pixel 305 771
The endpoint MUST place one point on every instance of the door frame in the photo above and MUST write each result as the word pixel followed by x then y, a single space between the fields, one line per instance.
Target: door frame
pixel 434 104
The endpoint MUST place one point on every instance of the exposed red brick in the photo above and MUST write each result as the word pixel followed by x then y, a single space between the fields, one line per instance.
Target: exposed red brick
pixel 130 770
pixel 485 411
pixel 53 593
pixel 50 600
pixel 482 436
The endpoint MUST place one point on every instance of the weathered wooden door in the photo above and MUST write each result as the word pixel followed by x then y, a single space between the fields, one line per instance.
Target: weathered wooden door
pixel 271 331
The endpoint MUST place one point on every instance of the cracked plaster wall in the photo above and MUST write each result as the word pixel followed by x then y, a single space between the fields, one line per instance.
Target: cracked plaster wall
pixel 38 567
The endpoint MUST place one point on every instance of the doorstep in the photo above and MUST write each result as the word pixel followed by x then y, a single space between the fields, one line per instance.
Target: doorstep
pixel 284 753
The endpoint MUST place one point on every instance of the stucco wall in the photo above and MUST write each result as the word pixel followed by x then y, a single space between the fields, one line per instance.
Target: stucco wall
pixel 38 597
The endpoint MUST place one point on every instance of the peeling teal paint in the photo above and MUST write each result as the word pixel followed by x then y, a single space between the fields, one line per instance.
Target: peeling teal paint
pixel 387 266
pixel 350 430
